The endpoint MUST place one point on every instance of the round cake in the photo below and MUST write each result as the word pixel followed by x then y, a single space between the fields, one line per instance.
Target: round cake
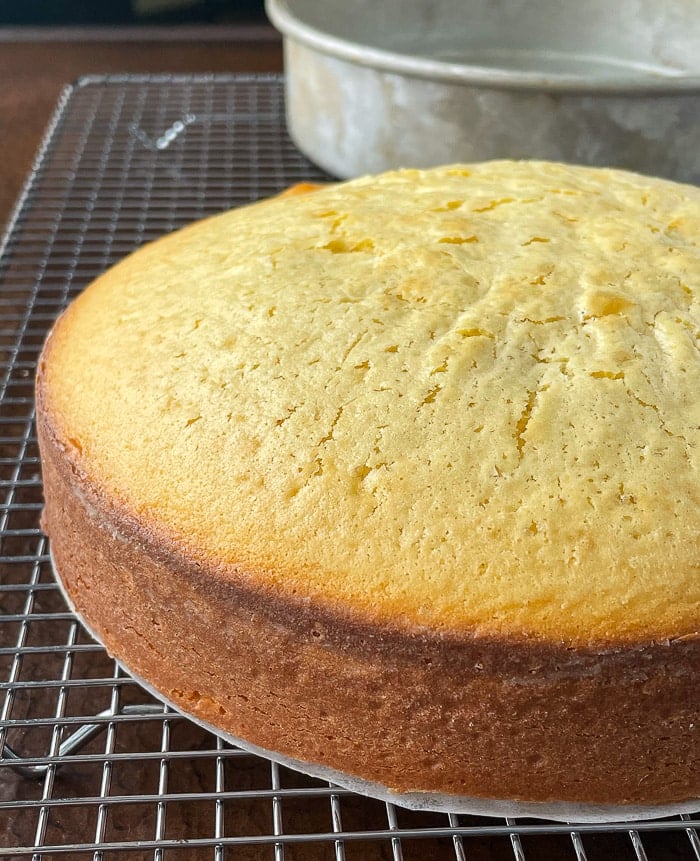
pixel 399 478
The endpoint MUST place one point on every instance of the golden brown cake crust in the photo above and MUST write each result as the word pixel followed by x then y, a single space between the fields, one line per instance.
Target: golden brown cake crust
pixel 478 415
pixel 410 710
pixel 415 499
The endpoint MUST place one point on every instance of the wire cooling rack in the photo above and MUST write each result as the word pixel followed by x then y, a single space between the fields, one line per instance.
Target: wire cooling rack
pixel 91 766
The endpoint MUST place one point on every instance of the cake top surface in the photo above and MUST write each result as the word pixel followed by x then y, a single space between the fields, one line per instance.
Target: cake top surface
pixel 462 399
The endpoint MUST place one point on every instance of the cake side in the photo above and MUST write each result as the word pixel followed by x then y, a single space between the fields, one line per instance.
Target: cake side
pixel 479 414
pixel 491 718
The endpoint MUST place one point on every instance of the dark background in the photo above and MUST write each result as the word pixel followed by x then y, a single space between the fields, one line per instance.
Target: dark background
pixel 45 13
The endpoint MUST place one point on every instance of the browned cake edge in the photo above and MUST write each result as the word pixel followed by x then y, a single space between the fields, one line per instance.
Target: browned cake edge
pixel 410 710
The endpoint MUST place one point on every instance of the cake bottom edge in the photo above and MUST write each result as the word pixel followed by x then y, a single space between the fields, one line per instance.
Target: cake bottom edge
pixel 559 811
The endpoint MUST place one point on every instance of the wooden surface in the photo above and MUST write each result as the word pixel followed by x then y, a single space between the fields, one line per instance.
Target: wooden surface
pixel 33 72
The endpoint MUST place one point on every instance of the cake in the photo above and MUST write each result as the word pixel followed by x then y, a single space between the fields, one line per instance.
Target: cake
pixel 397 479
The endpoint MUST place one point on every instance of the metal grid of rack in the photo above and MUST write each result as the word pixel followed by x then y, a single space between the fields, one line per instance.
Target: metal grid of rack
pixel 91 766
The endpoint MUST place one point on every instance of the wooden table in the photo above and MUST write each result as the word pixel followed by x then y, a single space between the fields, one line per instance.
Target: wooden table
pixel 35 65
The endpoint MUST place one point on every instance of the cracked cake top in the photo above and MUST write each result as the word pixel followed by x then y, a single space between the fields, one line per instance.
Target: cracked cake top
pixel 463 399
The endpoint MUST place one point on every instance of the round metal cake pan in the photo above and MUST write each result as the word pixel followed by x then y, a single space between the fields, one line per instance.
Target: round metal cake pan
pixel 372 86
